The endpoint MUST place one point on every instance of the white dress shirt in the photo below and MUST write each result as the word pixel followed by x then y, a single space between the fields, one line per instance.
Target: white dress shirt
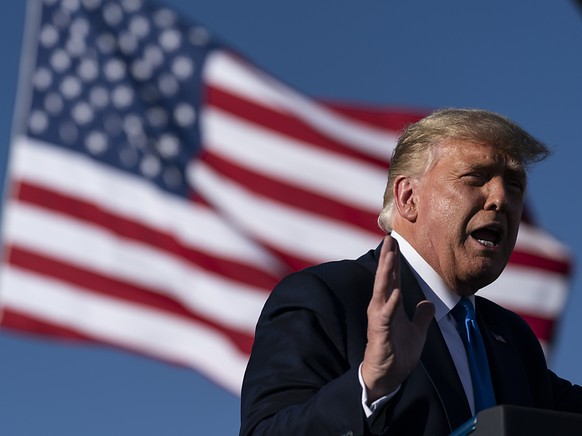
pixel 444 299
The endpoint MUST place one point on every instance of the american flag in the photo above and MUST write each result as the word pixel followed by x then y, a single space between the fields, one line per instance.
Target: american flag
pixel 159 185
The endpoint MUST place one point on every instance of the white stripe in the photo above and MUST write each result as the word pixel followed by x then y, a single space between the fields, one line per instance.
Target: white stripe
pixel 536 241
pixel 294 162
pixel 78 176
pixel 78 243
pixel 223 70
pixel 529 290
pixel 291 230
pixel 127 325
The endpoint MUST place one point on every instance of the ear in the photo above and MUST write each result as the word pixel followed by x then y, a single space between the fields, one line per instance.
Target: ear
pixel 404 198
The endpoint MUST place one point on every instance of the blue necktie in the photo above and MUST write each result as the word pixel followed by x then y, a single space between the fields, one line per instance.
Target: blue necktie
pixel 464 314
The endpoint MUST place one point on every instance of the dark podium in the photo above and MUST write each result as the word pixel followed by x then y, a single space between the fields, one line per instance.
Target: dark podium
pixel 521 421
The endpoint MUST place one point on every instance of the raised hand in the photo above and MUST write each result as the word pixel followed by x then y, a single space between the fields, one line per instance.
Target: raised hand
pixel 394 341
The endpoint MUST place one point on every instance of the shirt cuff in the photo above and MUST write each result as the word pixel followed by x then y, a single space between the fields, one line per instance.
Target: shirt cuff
pixel 376 405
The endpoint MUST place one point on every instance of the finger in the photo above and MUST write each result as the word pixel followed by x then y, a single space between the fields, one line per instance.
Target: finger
pixel 393 294
pixel 395 272
pixel 386 273
pixel 423 315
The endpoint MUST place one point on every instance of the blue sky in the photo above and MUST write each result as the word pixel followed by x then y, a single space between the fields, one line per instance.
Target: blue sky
pixel 523 59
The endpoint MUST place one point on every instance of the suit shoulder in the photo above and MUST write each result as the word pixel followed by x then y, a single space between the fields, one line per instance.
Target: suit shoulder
pixel 494 314
pixel 342 283
pixel 344 274
pixel 495 311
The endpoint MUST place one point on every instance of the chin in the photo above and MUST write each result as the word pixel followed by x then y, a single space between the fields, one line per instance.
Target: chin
pixel 481 281
pixel 483 277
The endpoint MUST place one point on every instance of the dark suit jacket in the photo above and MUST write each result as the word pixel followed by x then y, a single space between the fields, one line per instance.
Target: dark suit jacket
pixel 302 377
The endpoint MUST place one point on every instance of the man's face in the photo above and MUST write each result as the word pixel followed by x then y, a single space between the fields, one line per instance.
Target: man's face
pixel 469 205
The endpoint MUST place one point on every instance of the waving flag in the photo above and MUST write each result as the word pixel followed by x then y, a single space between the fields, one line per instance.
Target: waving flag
pixel 159 185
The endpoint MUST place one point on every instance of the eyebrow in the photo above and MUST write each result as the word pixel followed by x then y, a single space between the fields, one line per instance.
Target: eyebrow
pixel 515 168
pixel 512 168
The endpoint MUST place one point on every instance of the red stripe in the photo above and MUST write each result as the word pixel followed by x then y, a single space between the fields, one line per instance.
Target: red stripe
pixel 92 213
pixel 290 195
pixel 118 289
pixel 20 322
pixel 392 119
pixel 295 262
pixel 23 323
pixel 286 124
pixel 538 262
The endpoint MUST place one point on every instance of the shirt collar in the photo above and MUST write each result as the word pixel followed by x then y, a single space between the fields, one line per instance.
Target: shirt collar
pixel 432 285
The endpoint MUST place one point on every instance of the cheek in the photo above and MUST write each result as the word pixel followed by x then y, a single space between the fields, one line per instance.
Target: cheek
pixel 517 210
pixel 447 211
pixel 515 213
pixel 438 224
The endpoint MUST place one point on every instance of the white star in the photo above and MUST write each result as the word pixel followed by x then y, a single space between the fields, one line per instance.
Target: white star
pixel 88 70
pixel 96 142
pixel 150 166
pixel 184 114
pixel 82 113
pixel 164 18
pixel 53 103
pixel 114 70
pixel 68 132
pixel 38 121
pixel 139 26
pixel 99 96
pixel 183 67
pixel 157 117
pixel 48 36
pixel 127 42
pixel 60 60
pixel 42 79
pixel 154 55
pixel 170 40
pixel 106 43
pixel 168 146
pixel 113 14
pixel 168 85
pixel 70 87
pixel 122 96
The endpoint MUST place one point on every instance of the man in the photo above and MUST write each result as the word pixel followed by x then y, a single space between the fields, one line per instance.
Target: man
pixel 373 345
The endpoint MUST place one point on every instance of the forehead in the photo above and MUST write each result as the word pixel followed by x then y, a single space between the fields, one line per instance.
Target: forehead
pixel 463 153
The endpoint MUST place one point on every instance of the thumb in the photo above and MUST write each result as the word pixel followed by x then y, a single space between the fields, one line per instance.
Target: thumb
pixel 423 315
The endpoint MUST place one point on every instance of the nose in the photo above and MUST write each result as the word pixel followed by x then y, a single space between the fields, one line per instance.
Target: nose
pixel 497 195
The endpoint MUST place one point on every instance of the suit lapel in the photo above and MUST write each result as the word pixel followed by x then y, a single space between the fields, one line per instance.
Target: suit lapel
pixel 507 373
pixel 436 359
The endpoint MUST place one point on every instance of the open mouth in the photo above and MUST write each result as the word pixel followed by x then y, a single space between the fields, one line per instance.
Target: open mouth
pixel 487 236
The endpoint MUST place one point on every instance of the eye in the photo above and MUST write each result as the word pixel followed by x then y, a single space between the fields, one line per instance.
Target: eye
pixel 475 178
pixel 516 185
